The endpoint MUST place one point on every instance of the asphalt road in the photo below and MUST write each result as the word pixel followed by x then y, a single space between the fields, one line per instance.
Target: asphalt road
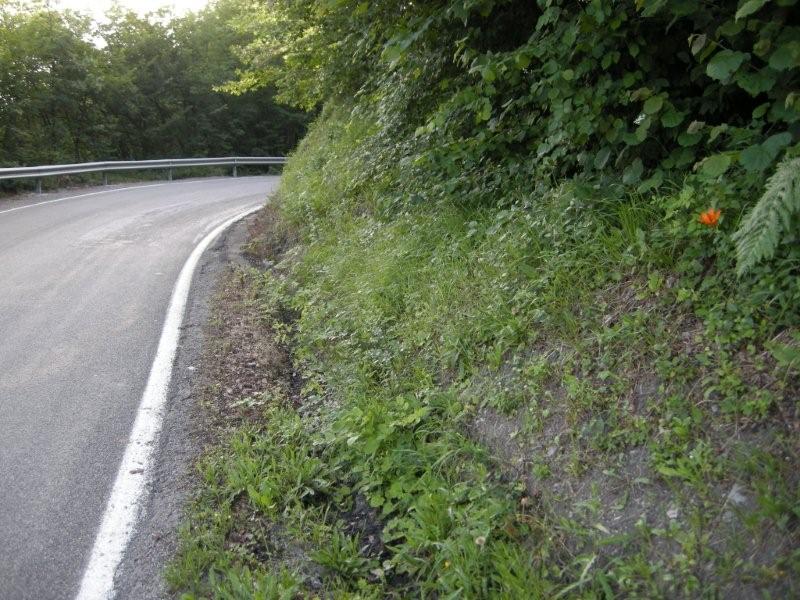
pixel 84 287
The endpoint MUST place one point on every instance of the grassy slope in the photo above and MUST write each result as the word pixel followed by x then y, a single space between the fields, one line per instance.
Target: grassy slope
pixel 568 396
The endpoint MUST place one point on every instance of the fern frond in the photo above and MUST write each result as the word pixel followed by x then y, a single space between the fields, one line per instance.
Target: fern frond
pixel 761 230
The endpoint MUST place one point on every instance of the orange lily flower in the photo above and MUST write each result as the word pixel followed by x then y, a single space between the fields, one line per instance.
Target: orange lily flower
pixel 710 217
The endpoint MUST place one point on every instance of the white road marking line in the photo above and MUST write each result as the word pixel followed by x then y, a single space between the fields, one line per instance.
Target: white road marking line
pixel 124 505
pixel 132 187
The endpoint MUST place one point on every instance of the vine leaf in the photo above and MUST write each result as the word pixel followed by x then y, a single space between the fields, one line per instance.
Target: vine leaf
pixel 786 56
pixel 749 7
pixel 725 63
pixel 633 173
pixel 756 83
pixel 672 118
pixel 760 156
pixel 653 104
pixel 715 165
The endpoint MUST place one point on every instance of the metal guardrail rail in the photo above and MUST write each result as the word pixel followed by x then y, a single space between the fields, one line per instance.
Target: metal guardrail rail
pixel 106 167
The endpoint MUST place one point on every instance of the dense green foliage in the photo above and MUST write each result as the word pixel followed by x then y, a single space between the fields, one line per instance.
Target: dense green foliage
pixel 477 98
pixel 519 344
pixel 537 401
pixel 129 88
pixel 772 218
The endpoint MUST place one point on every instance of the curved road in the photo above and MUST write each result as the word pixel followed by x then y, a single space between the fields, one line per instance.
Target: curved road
pixel 84 288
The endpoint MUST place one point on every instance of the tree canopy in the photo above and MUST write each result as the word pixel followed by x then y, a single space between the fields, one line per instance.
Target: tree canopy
pixel 131 87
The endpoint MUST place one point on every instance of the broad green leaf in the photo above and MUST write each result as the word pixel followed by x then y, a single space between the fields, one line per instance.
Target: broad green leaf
pixel 717 131
pixel 650 7
pixel 755 158
pixel 683 8
pixel 761 110
pixel 697 42
pixel 522 60
pixel 484 111
pixel 681 157
pixel 715 165
pixel 761 47
pixel 651 183
pixel 601 158
pixel 724 64
pixel 630 139
pixel 775 143
pixel 731 28
pixel 633 173
pixel 653 105
pixel 760 156
pixel 568 74
pixel 629 79
pixel 695 126
pixel 550 15
pixel 786 56
pixel 756 83
pixel 641 131
pixel 748 7
pixel 672 118
pixel 780 111
pixel 488 73
pixel 689 139
pixel 792 101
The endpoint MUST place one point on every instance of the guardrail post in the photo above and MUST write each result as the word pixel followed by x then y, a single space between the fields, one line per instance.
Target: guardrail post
pixel 234 169
pixel 169 175
pixel 105 178
pixel 38 186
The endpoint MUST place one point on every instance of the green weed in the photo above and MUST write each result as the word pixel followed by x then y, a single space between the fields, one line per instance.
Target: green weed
pixel 612 342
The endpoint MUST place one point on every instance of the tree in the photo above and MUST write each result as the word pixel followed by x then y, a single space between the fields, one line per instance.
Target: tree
pixel 132 87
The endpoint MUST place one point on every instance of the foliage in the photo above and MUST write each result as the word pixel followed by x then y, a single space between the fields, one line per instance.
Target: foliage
pixel 129 88
pixel 773 217
pixel 521 345
pixel 553 310
pixel 546 316
pixel 474 92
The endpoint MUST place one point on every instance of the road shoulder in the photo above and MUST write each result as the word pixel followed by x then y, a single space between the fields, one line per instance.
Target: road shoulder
pixel 183 435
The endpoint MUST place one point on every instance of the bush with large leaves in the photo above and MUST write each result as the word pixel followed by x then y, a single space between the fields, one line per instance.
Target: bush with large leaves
pixel 474 98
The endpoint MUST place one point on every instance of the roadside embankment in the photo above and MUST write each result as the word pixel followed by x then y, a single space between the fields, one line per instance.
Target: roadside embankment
pixel 567 396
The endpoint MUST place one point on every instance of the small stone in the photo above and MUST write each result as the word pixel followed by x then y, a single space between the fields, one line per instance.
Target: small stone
pixel 673 513
pixel 551 451
pixel 737 496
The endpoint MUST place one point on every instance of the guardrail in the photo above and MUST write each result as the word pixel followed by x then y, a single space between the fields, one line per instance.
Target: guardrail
pixel 106 167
